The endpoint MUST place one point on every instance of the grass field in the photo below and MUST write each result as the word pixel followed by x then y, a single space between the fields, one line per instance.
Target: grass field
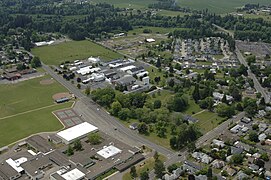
pixel 216 6
pixel 155 30
pixel 15 128
pixel 208 121
pixel 132 4
pixel 72 50
pixel 148 166
pixel 219 6
pixel 26 108
pixel 27 95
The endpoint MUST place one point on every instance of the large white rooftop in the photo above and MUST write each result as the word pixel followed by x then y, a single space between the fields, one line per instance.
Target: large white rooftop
pixel 109 151
pixel 74 174
pixel 77 131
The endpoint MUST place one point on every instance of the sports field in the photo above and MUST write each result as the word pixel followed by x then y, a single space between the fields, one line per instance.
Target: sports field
pixel 23 125
pixel 72 50
pixel 27 95
pixel 26 108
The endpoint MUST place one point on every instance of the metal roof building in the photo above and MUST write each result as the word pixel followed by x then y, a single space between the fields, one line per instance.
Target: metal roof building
pixel 76 132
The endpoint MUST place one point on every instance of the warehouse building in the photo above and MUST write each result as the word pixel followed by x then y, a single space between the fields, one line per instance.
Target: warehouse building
pixel 76 132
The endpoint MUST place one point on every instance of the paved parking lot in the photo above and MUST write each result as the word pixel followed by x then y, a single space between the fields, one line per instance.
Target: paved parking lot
pixel 68 117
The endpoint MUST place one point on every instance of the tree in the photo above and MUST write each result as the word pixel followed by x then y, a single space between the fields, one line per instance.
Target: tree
pixel 253 136
pixel 224 110
pixel 196 94
pixel 237 159
pixel 116 107
pixel 142 128
pixel 158 62
pixel 70 151
pixel 264 156
pixel 191 146
pixel 172 167
pixel 159 168
pixel 144 175
pixel 94 138
pixel 224 99
pixel 156 156
pixel 87 91
pixel 133 172
pixel 171 82
pixel 35 62
pixel 77 145
pixel 209 173
pixel 79 86
pixel 157 104
pixel 124 113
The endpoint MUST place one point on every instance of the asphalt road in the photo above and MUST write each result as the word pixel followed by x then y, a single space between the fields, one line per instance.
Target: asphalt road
pixel 96 115
pixel 93 113
pixel 242 60
pixel 257 84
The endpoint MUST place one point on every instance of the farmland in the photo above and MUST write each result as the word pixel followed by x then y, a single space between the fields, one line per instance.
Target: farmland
pixel 72 50
pixel 218 6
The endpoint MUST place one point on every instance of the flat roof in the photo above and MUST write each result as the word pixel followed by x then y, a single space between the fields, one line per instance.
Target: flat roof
pixel 16 164
pixel 77 131
pixel 74 174
pixel 109 151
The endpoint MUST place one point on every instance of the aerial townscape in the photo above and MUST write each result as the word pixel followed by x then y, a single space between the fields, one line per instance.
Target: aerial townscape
pixel 135 89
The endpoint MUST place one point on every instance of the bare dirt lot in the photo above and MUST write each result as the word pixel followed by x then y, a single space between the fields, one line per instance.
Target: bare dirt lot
pixel 61 95
pixel 47 81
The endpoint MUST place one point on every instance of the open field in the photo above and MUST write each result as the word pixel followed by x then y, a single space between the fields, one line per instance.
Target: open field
pixel 15 128
pixel 155 30
pixel 207 121
pixel 219 6
pixel 265 16
pixel 216 6
pixel 72 50
pixel 27 95
pixel 148 166
pixel 132 4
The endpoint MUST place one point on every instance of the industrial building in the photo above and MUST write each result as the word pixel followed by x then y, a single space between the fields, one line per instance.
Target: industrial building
pixel 76 132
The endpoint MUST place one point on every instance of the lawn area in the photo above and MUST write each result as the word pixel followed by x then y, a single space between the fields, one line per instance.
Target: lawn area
pixel 192 108
pixel 154 72
pixel 72 50
pixel 148 166
pixel 159 141
pixel 219 6
pixel 208 121
pixel 15 128
pixel 27 95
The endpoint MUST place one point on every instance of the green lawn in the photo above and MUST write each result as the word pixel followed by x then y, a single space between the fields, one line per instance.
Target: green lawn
pixel 15 128
pixel 219 6
pixel 154 72
pixel 148 166
pixel 208 121
pixel 72 50
pixel 27 95
pixel 192 108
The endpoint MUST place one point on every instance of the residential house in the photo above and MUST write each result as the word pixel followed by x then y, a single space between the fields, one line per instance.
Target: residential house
pixel 218 164
pixel 204 158
pixel 218 143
